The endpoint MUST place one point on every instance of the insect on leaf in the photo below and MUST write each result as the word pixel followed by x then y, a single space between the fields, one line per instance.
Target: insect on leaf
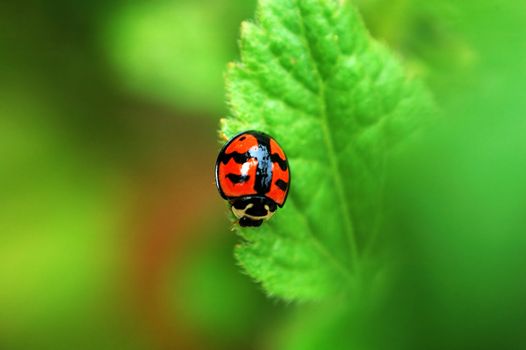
pixel 337 101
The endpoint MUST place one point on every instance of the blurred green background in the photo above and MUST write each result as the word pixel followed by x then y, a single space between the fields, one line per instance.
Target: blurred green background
pixel 112 235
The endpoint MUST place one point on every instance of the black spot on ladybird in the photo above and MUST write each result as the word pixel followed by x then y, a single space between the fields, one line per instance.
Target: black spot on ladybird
pixel 282 184
pixel 236 179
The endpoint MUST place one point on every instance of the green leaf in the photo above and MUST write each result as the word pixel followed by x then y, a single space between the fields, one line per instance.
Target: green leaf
pixel 337 101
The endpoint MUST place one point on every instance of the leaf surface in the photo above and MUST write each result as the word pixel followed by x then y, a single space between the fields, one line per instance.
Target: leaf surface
pixel 337 101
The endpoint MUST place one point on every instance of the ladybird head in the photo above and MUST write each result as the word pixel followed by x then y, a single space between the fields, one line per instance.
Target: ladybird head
pixel 253 210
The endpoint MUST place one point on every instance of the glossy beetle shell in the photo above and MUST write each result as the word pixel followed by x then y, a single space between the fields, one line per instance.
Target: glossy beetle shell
pixel 252 164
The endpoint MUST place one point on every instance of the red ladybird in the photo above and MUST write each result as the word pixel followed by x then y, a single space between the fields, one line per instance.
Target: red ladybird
pixel 252 173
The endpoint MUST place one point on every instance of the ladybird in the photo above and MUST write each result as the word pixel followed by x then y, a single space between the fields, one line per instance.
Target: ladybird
pixel 252 173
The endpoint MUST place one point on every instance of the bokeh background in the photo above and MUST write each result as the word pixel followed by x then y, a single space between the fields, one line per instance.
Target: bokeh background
pixel 112 235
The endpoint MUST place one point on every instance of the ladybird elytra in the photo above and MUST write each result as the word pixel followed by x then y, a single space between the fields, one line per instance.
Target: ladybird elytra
pixel 252 172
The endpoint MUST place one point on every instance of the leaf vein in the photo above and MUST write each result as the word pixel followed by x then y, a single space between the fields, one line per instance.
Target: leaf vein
pixel 271 95
pixel 351 239
pixel 341 268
